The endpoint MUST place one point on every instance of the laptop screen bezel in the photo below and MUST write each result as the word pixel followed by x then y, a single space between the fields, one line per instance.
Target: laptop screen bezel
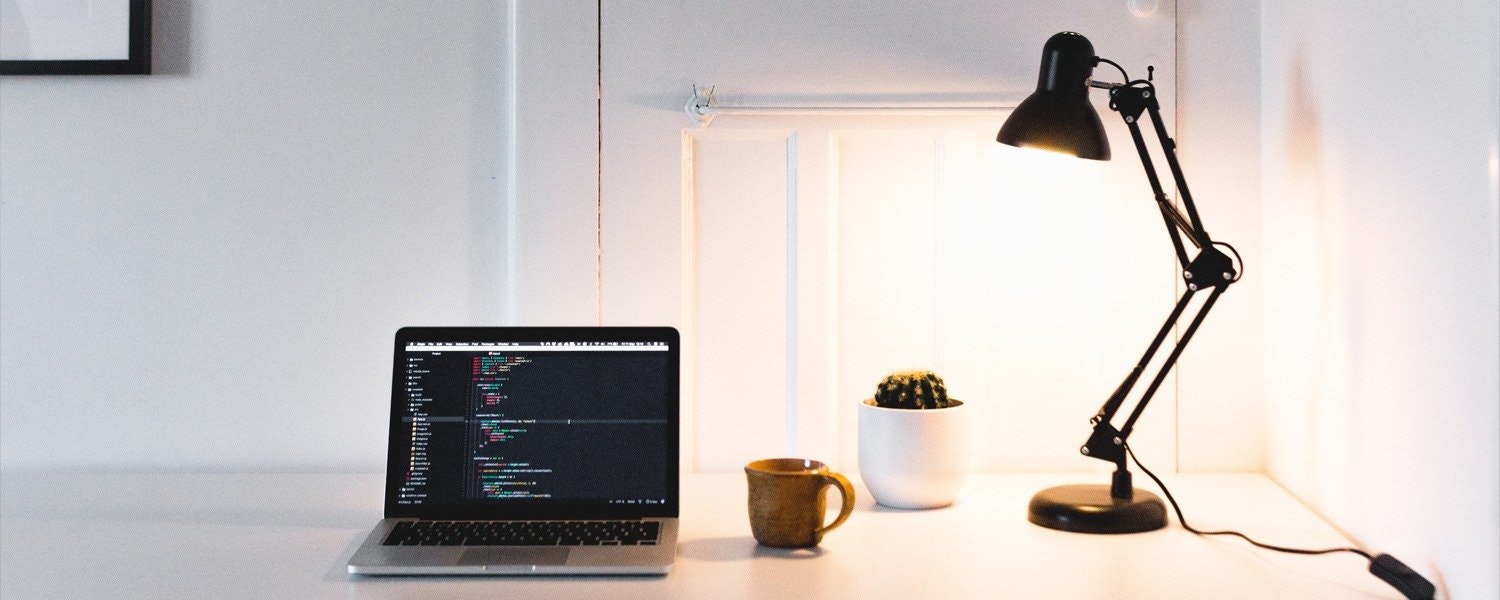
pixel 539 510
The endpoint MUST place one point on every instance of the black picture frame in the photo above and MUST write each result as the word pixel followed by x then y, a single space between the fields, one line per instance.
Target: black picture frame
pixel 139 62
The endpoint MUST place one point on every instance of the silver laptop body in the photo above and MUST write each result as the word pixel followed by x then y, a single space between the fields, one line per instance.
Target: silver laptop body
pixel 550 428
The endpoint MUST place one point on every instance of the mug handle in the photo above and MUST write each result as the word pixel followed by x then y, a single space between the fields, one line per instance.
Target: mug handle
pixel 847 491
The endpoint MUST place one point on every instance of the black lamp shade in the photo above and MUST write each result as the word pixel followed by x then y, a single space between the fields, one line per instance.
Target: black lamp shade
pixel 1058 115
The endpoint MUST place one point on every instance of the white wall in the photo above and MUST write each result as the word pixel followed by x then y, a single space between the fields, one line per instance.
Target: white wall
pixel 806 257
pixel 1380 148
pixel 203 268
pixel 552 170
pixel 272 195
pixel 1218 99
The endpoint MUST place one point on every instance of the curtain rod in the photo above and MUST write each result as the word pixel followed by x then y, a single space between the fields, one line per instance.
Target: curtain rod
pixel 701 109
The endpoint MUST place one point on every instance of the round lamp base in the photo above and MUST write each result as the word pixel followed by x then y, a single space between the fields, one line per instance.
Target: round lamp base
pixel 1090 509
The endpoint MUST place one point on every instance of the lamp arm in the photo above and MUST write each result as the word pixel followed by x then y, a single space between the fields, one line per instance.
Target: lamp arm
pixel 1169 149
pixel 1132 100
pixel 1209 268
pixel 1106 442
pixel 1107 411
pixel 1173 217
pixel 1187 335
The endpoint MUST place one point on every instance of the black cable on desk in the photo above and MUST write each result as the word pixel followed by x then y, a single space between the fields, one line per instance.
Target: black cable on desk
pixel 1386 567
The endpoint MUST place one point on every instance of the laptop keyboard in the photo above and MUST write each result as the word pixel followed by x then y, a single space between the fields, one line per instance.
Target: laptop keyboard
pixel 524 533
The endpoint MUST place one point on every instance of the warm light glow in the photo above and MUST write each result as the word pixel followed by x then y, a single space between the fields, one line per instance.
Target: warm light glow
pixel 1034 240
pixel 1044 189
pixel 1024 277
pixel 1046 149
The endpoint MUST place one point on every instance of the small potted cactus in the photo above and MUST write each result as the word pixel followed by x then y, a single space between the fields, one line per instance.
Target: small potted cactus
pixel 914 442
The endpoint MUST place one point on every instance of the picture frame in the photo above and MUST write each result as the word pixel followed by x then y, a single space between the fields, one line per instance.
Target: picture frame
pixel 80 37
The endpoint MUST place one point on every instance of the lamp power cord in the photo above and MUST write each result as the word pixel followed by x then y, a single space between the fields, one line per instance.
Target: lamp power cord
pixel 1386 567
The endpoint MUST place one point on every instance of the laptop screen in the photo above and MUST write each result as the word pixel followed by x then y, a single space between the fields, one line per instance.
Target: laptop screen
pixel 501 423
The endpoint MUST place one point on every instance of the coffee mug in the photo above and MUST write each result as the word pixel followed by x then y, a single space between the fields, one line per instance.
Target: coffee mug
pixel 786 501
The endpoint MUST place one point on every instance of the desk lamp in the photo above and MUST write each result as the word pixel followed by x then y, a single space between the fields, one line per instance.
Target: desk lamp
pixel 1060 118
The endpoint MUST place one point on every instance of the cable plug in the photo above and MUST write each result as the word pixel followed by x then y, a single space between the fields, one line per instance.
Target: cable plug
pixel 1410 583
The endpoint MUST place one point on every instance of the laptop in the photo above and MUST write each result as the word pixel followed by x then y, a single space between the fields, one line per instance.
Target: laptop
pixel 530 451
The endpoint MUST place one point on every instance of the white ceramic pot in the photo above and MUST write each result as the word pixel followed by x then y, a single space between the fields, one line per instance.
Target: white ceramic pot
pixel 914 458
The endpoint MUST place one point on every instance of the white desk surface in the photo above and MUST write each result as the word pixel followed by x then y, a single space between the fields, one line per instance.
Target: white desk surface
pixel 289 536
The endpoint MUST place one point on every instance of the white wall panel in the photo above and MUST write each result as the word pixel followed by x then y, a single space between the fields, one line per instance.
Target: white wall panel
pixel 888 235
pixel 956 255
pixel 739 293
pixel 905 246
pixel 888 297
pixel 1218 127
pixel 909 242
pixel 552 239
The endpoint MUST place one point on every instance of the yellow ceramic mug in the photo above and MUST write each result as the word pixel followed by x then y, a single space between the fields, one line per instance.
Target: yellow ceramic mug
pixel 786 501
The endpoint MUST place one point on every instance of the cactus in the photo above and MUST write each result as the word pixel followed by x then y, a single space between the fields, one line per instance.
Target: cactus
pixel 912 389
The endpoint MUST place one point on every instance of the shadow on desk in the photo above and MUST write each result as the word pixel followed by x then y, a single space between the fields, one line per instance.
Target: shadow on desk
pixel 742 547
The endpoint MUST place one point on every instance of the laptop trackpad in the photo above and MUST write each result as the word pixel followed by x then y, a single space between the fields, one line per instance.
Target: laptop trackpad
pixel 514 556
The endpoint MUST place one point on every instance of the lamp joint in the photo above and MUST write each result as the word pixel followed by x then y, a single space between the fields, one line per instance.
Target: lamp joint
pixel 1132 100
pixel 1102 445
pixel 1212 268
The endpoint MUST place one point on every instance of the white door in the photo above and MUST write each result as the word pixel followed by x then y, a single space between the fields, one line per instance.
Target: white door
pixel 805 257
